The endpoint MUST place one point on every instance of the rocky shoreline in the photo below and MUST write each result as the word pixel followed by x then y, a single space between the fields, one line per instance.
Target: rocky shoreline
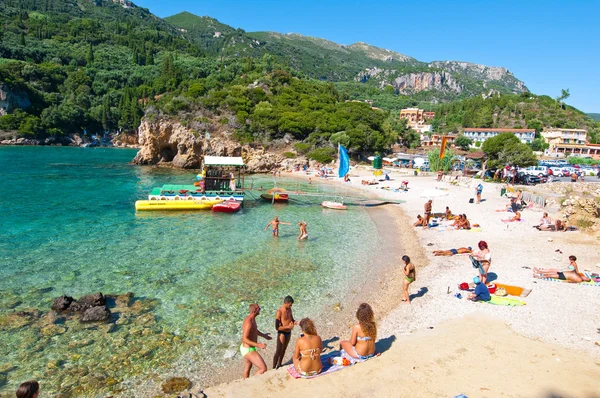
pixel 71 140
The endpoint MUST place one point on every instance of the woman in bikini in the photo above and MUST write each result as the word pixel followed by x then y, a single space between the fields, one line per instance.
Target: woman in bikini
pixel 570 274
pixel 410 275
pixel 484 255
pixel 307 354
pixel 362 342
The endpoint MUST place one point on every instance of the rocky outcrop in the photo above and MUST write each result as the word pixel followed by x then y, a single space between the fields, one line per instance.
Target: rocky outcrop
pixel 92 307
pixel 168 142
pixel 96 314
pixel 481 72
pixel 412 82
pixel 10 99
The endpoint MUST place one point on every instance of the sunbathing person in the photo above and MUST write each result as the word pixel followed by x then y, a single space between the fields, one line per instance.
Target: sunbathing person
pixel 448 214
pixel 560 226
pixel 362 342
pixel 462 222
pixel 570 274
pixel 420 222
pixel 545 223
pixel 516 217
pixel 453 252
pixel 307 354
pixel 458 221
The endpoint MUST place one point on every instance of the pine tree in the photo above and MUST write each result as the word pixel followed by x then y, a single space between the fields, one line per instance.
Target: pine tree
pixel 90 55
pixel 135 56
pixel 22 39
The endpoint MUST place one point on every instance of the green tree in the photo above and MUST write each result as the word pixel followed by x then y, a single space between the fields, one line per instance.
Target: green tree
pixel 463 142
pixel 507 149
pixel 435 163
pixel 90 54
pixel 149 58
pixel 22 39
pixel 539 144
pixel 564 94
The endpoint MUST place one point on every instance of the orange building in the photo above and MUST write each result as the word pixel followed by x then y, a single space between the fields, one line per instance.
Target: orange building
pixel 436 140
pixel 416 115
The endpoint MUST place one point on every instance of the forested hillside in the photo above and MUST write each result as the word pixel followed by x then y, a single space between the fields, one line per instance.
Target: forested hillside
pixel 513 111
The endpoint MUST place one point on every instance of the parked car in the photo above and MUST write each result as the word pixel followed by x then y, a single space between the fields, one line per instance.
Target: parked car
pixel 555 171
pixel 527 179
pixel 536 170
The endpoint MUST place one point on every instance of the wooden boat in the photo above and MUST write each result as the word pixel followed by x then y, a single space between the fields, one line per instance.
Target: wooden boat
pixel 277 195
pixel 333 205
pixel 229 206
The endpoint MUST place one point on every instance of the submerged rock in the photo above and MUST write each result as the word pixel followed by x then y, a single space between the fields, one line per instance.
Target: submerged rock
pixel 124 300
pixel 62 303
pixel 175 384
pixel 88 301
pixel 52 330
pixel 95 314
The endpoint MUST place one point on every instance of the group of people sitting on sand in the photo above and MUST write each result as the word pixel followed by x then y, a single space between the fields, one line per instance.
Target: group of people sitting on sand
pixel 309 346
pixel 367 182
pixel 460 220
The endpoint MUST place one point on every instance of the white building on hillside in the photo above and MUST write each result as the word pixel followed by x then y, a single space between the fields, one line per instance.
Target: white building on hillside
pixel 481 134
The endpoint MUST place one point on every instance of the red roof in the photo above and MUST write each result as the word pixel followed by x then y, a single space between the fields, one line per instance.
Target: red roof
pixel 500 130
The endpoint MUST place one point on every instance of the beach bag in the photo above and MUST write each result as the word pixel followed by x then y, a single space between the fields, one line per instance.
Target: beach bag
pixel 501 292
pixel 463 286
pixel 472 200
pixel 492 288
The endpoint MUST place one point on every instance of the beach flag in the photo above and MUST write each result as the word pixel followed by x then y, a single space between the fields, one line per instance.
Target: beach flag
pixel 443 148
pixel 344 161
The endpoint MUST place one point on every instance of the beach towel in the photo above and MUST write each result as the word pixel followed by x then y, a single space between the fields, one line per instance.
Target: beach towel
pixel 328 366
pixel 521 220
pixel 507 301
pixel 514 290
pixel 475 230
pixel 594 279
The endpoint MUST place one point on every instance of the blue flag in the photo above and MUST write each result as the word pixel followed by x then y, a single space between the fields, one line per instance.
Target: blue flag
pixel 344 161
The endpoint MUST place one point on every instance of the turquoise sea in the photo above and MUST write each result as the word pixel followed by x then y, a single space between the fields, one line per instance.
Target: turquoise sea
pixel 68 226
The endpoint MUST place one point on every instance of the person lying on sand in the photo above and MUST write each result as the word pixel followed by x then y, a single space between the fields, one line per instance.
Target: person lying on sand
pixel 362 341
pixel 570 274
pixel 307 354
pixel 420 222
pixel 453 252
pixel 516 217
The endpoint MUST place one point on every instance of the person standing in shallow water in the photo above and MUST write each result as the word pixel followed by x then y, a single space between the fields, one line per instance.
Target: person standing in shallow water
pixel 274 223
pixel 250 334
pixel 284 324
pixel 303 232
pixel 29 389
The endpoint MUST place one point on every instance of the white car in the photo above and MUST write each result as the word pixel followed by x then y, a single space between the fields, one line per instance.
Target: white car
pixel 557 171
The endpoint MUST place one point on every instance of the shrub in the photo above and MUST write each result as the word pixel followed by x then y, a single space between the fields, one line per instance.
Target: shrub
pixel 223 121
pixel 322 155
pixel 289 155
pixel 584 223
pixel 302 147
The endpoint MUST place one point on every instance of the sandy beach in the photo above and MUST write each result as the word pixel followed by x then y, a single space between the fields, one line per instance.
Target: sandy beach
pixel 444 346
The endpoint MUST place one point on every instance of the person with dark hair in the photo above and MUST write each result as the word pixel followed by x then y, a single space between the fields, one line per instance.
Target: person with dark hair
pixel 29 389
pixel 484 256
pixel 410 275
pixel 362 342
pixel 307 354
pixel 284 323
pixel 420 222
pixel 427 213
pixel 570 274
pixel 453 252
pixel 250 342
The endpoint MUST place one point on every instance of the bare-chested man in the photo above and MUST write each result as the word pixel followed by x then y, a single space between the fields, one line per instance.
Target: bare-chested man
pixel 274 223
pixel 303 231
pixel 250 342
pixel 284 323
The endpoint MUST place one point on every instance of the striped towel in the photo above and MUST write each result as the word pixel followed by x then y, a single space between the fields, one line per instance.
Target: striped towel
pixel 594 279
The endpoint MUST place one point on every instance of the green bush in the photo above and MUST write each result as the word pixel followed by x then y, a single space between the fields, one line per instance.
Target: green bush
pixel 302 147
pixel 322 155
pixel 289 155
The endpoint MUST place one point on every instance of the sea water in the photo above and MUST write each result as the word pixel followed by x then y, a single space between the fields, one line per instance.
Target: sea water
pixel 68 226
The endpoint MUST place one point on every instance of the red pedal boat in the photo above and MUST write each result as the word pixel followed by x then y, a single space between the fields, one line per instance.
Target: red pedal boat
pixel 229 206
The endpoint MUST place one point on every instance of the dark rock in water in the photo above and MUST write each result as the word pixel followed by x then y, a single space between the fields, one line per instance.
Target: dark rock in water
pixel 95 314
pixel 89 301
pixel 94 300
pixel 62 303
pixel 175 384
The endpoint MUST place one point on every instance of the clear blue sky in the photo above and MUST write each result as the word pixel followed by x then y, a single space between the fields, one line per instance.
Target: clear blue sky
pixel 548 44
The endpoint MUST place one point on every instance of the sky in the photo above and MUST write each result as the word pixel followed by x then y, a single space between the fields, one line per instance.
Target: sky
pixel 549 45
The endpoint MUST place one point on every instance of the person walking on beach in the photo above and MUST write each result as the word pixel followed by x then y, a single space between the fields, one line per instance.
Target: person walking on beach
pixel 427 213
pixel 478 190
pixel 274 223
pixel 284 323
pixel 29 389
pixel 250 342
pixel 410 275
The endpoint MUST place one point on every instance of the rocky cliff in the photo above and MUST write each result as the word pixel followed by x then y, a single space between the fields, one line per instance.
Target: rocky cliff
pixel 12 99
pixel 168 142
pixel 412 82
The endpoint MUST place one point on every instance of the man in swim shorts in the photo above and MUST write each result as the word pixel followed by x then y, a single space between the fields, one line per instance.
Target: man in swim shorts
pixel 427 213
pixel 303 231
pixel 453 252
pixel 284 323
pixel 250 342
pixel 275 224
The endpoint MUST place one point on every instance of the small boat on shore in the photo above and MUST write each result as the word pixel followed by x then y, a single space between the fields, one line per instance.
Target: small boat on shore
pixel 229 206
pixel 159 205
pixel 333 205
